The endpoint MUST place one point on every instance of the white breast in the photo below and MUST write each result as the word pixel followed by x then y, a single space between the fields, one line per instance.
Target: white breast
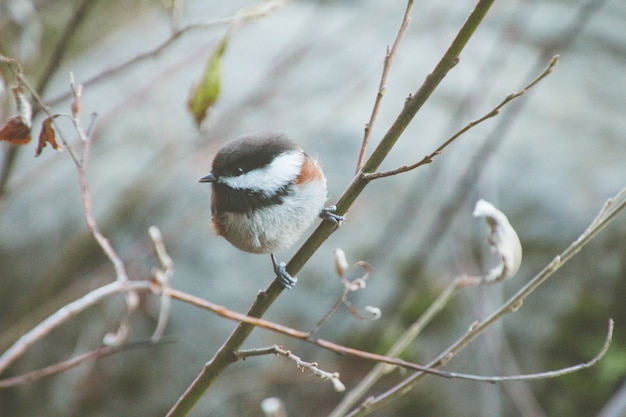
pixel 275 228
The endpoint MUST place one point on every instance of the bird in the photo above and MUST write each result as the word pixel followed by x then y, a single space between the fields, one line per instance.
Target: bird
pixel 266 191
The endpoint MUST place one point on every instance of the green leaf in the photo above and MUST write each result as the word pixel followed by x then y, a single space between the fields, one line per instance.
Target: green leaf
pixel 205 93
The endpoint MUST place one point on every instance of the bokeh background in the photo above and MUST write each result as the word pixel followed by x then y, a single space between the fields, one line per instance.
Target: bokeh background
pixel 311 69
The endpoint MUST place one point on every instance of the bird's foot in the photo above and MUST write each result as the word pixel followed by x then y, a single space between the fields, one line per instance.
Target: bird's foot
pixel 283 276
pixel 328 213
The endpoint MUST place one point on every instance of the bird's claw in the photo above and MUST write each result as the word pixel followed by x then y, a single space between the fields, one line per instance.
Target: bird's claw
pixel 283 276
pixel 328 213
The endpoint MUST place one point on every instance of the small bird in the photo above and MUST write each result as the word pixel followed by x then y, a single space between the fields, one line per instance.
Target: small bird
pixel 266 192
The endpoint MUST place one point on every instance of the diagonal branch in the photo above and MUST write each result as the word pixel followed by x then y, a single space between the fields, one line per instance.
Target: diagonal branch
pixel 493 113
pixel 70 363
pixel 611 208
pixel 176 34
pixel 389 56
pixel 225 355
pixel 64 314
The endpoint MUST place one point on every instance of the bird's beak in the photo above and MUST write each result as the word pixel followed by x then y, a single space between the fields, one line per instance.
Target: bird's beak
pixel 207 178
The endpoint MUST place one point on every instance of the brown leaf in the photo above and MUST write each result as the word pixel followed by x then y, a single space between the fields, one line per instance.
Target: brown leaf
pixel 47 135
pixel 14 130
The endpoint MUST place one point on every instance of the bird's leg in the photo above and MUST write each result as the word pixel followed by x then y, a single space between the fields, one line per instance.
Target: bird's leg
pixel 328 213
pixel 283 276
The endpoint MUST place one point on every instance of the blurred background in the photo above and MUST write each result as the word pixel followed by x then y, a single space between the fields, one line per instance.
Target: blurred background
pixel 311 69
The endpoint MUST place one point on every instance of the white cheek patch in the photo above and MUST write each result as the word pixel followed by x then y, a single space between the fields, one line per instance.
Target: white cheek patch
pixel 270 178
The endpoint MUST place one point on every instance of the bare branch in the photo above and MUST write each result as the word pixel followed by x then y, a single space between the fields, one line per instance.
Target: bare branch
pixel 341 266
pixel 64 314
pixel 68 364
pixel 132 299
pixel 608 212
pixel 563 371
pixel 304 336
pixel 409 335
pixel 163 276
pixel 492 113
pixel 176 34
pixel 312 366
pixel 389 56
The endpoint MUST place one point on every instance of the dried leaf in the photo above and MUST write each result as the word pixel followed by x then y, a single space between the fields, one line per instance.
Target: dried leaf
pixel 17 128
pixel 47 135
pixel 503 241
pixel 205 93
pixel 14 130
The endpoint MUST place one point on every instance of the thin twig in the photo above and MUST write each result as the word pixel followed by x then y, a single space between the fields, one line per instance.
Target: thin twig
pixel 608 212
pixel 493 113
pixel 348 287
pixel 469 174
pixel 297 334
pixel 132 299
pixel 389 56
pixel 312 366
pixel 562 371
pixel 52 65
pixel 398 347
pixel 95 296
pixel 372 403
pixel 325 344
pixel 163 276
pixel 330 312
pixel 64 314
pixel 174 36
pixel 69 364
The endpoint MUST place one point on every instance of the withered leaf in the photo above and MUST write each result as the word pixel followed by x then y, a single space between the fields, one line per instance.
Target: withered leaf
pixel 205 93
pixel 503 241
pixel 14 130
pixel 47 135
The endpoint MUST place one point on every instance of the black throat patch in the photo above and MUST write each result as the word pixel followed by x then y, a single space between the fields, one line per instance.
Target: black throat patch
pixel 228 199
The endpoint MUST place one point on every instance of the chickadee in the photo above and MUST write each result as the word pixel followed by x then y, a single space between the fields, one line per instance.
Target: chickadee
pixel 266 193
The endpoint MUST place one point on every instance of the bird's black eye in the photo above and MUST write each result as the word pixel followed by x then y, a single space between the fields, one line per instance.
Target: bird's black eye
pixel 239 171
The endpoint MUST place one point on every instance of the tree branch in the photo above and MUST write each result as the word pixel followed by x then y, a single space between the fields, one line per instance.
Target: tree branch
pixel 389 56
pixel 225 355
pixel 69 364
pixel 64 314
pixel 176 34
pixel 492 113
pixel 61 47
pixel 312 366
pixel 608 212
